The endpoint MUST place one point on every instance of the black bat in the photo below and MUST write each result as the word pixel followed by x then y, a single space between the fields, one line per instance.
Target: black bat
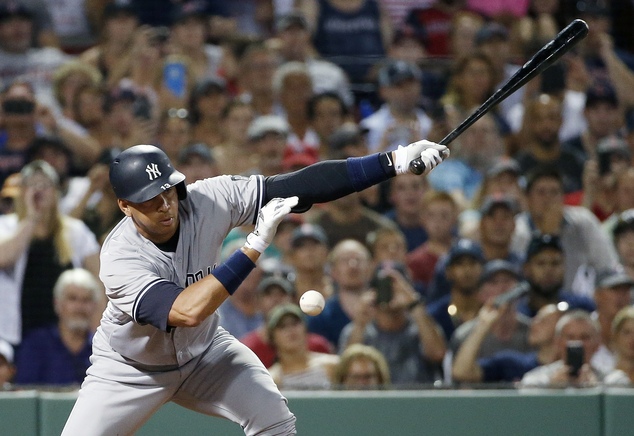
pixel 545 57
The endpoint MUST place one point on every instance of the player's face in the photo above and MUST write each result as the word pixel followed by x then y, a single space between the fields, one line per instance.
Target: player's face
pixel 157 218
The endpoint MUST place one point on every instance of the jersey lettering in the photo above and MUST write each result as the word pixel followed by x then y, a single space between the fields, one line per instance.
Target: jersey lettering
pixel 198 275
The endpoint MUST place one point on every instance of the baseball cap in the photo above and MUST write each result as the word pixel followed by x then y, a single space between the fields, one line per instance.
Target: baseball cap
pixel 611 278
pixel 13 8
pixel 493 201
pixel 541 242
pixel 308 231
pixel 188 9
pixel 281 282
pixel 624 223
pixel 209 84
pixel 11 186
pixel 115 9
pixel 267 124
pixel 279 312
pixel 292 19
pixel 348 133
pixel 614 145
pixel 491 31
pixel 495 266
pixel 504 165
pixel 398 71
pixel 601 92
pixel 465 247
pixel 6 350
pixel 198 149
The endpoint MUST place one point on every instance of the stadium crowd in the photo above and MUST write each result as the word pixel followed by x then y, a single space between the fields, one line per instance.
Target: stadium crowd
pixel 537 196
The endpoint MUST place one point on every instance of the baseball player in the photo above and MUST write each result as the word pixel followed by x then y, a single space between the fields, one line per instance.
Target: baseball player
pixel 159 338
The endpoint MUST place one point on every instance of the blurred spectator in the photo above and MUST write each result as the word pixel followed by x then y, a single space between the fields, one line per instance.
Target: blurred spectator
pixel 406 198
pixel 241 314
pixel 295 45
pixel 500 10
pixel 540 133
pixel 439 219
pixel 351 33
pixel 207 104
pixel 327 113
pixel 543 20
pixel 464 28
pixel 503 177
pixel 350 269
pixel 623 198
pixel 116 32
pixel 125 124
pixel 71 25
pixel 7 367
pixel 622 334
pixel 497 227
pixel 197 162
pixel 274 291
pixel 237 154
pixel 89 112
pixel 387 245
pixel 398 9
pixel 585 245
pixel 19 58
pixel 268 135
pixel 59 354
pixel 506 365
pixel 510 328
pixel 623 236
pixel 255 79
pixel 292 85
pixel 544 270
pixel 38 244
pixel 362 367
pixel 463 268
pixel 297 367
pixel 399 121
pixel 576 325
pixel 308 255
pixel 68 79
pixel 9 192
pixel 399 327
pixel 434 23
pixel 612 293
pixel 174 132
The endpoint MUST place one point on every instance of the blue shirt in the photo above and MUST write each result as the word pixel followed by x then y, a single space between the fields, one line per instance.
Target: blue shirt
pixel 414 236
pixel 439 311
pixel 455 175
pixel 43 359
pixel 330 322
pixel 507 365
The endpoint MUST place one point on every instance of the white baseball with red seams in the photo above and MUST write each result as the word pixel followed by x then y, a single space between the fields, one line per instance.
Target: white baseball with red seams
pixel 312 302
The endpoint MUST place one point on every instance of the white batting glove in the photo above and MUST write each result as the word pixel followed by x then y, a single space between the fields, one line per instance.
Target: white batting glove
pixel 430 153
pixel 269 218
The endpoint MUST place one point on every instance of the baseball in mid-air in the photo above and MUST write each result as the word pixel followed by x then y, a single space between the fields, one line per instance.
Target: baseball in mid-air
pixel 312 302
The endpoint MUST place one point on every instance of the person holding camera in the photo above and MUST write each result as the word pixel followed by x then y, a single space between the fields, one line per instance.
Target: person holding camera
pixel 577 338
pixel 394 320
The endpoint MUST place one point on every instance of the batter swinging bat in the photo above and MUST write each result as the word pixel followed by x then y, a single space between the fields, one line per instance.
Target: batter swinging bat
pixel 545 57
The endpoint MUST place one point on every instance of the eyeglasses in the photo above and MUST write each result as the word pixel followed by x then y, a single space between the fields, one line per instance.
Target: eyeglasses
pixel 181 113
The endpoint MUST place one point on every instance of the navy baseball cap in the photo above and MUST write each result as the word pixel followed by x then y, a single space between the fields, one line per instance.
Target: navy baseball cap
pixel 541 242
pixel 308 231
pixel 12 8
pixel 495 266
pixel 348 134
pixel 465 247
pixel 601 92
pixel 611 278
pixel 396 72
pixel 504 165
pixel 493 201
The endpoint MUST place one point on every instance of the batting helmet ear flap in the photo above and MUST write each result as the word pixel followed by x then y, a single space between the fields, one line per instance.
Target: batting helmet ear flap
pixel 142 172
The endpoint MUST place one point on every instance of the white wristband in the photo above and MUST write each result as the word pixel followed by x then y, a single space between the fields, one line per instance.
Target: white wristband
pixel 400 160
pixel 256 242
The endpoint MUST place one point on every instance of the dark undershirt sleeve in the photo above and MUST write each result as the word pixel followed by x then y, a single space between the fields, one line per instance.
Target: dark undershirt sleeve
pixel 155 304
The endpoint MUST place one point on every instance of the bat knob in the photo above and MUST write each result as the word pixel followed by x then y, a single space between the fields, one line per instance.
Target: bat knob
pixel 417 166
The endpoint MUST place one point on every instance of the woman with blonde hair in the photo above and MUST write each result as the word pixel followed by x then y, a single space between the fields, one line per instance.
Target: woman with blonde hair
pixel 362 366
pixel 37 243
pixel 623 342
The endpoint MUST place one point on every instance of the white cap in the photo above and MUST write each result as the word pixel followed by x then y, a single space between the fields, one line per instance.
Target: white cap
pixel 6 350
pixel 267 124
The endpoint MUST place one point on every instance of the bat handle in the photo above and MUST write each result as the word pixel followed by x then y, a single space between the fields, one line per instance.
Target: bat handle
pixel 417 166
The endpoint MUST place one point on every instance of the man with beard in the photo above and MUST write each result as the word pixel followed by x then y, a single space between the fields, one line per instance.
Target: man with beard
pixel 540 131
pixel 59 354
pixel 544 270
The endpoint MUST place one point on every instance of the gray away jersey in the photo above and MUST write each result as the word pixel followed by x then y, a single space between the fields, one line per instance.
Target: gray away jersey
pixel 131 265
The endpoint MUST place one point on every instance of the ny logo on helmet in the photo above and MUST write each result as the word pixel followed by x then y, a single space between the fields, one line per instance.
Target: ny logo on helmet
pixel 152 171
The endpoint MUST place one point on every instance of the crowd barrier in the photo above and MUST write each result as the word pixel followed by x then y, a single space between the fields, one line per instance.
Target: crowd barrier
pixel 587 412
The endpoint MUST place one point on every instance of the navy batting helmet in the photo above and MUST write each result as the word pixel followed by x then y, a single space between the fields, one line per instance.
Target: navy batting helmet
pixel 142 172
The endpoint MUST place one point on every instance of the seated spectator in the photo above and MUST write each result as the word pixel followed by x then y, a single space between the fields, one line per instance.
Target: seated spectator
pixel 237 154
pixel 506 365
pixel 296 366
pixel 7 367
pixel 622 334
pixel 439 219
pixel 585 245
pixel 434 22
pixel 207 103
pixel 350 270
pixel 623 199
pixel 510 330
pixel 576 325
pixel 274 291
pixel 397 324
pixel 387 245
pixel 497 228
pixel 623 235
pixel 399 121
pixel 70 77
pixel 174 132
pixel 463 268
pixel 613 292
pixel 240 314
pixel 308 256
pixel 362 367
pixel 255 79
pixel 197 162
pixel 406 198
pixel 268 135
pixel 327 112
pixel 544 270
pixel 38 244
pixel 59 354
